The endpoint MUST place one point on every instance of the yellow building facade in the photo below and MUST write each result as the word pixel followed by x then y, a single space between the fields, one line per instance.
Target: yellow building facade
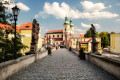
pixel 115 43
pixel 26 33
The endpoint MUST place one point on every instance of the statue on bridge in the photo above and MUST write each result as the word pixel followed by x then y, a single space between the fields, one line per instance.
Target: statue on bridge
pixel 35 36
pixel 94 42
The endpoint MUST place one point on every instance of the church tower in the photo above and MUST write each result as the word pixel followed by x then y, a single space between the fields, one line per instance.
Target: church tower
pixel 71 27
pixel 66 27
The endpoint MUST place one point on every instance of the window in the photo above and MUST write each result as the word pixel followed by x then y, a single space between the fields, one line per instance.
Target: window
pixel 53 36
pixel 27 26
pixel 65 29
pixel 57 35
pixel 62 35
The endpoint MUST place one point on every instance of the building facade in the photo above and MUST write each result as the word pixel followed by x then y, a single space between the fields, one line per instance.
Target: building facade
pixel 115 43
pixel 60 37
pixel 84 43
pixel 26 33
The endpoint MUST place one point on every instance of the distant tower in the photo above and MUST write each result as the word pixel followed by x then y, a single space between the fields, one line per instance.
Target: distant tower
pixel 71 27
pixel 66 27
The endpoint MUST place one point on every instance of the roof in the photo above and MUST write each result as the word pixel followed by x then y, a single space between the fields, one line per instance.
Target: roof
pixel 88 41
pixel 66 21
pixel 6 26
pixel 85 41
pixel 78 35
pixel 81 35
pixel 26 26
pixel 55 31
pixel 71 24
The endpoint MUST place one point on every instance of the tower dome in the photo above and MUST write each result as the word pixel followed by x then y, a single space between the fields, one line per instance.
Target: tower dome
pixel 66 21
pixel 71 24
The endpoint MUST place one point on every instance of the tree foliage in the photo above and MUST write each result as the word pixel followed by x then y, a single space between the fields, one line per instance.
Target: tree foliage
pixel 105 38
pixel 105 41
pixel 88 34
pixel 6 42
pixel 7 45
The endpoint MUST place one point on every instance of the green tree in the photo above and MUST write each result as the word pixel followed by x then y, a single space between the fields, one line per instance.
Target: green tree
pixel 112 33
pixel 6 44
pixel 88 34
pixel 105 41
pixel 106 36
pixel 4 15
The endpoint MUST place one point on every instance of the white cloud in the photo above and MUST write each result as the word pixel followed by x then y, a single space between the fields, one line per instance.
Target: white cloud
pixel 109 6
pixel 85 25
pixel 90 6
pixel 88 26
pixel 12 4
pixel 43 29
pixel 118 20
pixel 76 29
pixel 23 6
pixel 91 11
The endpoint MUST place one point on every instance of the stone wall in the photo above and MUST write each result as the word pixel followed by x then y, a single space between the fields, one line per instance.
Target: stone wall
pixel 10 67
pixel 110 65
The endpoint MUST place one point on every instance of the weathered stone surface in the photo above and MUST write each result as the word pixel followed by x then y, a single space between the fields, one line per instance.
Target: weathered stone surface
pixel 35 32
pixel 94 43
pixel 62 65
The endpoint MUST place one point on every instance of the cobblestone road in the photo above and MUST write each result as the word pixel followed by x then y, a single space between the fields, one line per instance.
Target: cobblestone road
pixel 62 65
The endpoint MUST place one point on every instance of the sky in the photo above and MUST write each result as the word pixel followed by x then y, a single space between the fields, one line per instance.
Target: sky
pixel 50 14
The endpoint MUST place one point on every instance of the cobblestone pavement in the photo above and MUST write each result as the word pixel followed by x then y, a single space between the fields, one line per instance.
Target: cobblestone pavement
pixel 62 65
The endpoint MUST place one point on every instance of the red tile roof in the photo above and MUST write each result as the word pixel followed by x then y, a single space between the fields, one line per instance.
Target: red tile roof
pixel 88 41
pixel 26 26
pixel 4 26
pixel 52 31
pixel 85 41
pixel 81 35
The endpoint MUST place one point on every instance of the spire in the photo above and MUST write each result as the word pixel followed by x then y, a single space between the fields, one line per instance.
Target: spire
pixel 71 24
pixel 66 21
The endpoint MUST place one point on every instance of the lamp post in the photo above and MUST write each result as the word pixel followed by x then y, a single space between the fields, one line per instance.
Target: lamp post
pixel 15 11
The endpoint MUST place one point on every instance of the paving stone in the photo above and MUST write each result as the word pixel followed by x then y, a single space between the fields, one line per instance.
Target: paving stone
pixel 62 65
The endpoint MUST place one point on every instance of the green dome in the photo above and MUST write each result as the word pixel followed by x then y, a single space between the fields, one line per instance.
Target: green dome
pixel 66 21
pixel 71 24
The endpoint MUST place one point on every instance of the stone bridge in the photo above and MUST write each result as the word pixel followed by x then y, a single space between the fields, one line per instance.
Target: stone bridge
pixel 62 65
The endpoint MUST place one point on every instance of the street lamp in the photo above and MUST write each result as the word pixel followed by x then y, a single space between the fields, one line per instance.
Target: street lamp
pixel 15 11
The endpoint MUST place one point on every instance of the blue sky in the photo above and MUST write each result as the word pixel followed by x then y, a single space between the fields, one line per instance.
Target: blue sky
pixel 104 14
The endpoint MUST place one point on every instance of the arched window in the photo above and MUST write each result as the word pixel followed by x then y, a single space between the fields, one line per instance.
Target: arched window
pixel 65 29
pixel 53 36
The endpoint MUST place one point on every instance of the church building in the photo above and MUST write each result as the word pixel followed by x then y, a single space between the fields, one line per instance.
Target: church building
pixel 60 37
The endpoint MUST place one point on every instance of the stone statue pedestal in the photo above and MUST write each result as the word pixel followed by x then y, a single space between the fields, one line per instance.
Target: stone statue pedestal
pixel 95 47
pixel 33 48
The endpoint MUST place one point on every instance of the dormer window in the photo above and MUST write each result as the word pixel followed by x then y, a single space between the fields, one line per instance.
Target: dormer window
pixel 27 26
